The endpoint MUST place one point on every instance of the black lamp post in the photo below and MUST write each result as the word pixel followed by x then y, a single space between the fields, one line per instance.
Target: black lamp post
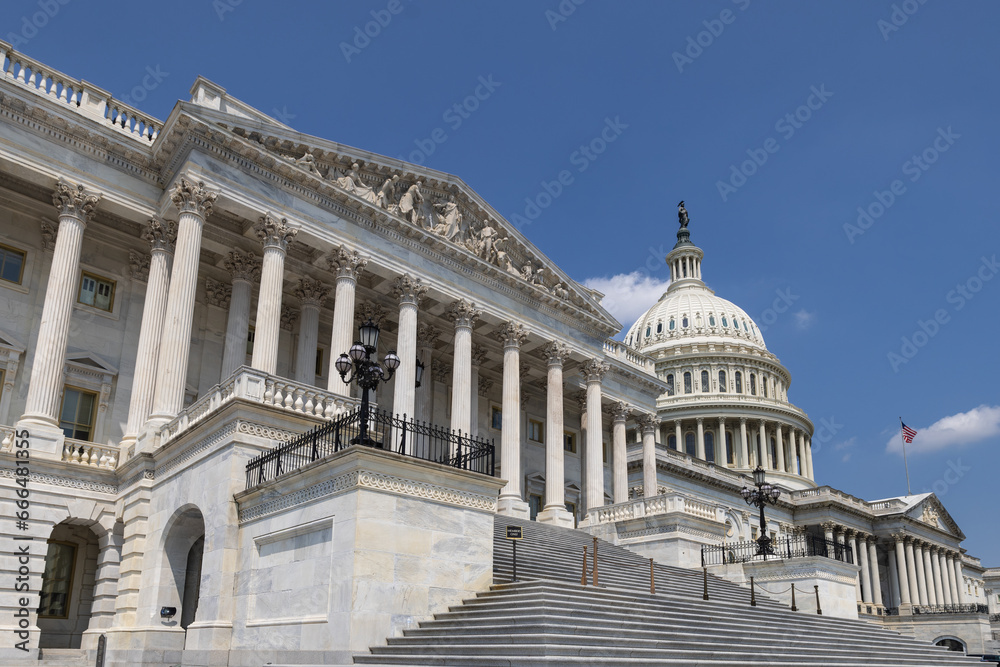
pixel 366 370
pixel 764 494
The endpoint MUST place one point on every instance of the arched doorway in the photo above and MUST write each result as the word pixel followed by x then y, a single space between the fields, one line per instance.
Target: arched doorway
pixel 183 548
pixel 951 643
pixel 66 596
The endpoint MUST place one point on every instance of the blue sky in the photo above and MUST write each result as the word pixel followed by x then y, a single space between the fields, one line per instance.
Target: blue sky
pixel 886 106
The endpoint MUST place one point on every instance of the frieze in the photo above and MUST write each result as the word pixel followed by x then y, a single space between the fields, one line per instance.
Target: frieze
pixel 69 482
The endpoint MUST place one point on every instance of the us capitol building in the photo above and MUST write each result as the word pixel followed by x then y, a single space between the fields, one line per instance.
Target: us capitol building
pixel 176 298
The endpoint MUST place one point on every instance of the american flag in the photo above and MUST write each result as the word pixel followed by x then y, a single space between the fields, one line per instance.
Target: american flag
pixel 908 433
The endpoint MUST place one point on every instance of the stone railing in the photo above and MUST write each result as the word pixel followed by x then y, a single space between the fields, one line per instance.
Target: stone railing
pixel 826 494
pixel 89 454
pixel 882 506
pixel 621 351
pixel 77 96
pixel 668 503
pixel 248 384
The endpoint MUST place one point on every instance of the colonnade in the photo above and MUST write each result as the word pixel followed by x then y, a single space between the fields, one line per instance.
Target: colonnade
pixel 750 443
pixel 924 573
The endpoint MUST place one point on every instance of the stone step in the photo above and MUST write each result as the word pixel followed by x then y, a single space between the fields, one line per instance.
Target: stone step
pixel 63 657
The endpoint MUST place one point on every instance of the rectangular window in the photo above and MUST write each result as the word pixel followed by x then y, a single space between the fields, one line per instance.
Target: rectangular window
pixel 607 451
pixel 536 430
pixel 57 580
pixel 320 369
pixel 76 418
pixel 251 334
pixel 571 508
pixel 534 505
pixel 569 442
pixel 496 418
pixel 11 264
pixel 96 291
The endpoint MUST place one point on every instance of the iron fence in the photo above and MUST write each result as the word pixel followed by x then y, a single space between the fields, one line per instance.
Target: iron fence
pixel 951 609
pixel 789 546
pixel 379 430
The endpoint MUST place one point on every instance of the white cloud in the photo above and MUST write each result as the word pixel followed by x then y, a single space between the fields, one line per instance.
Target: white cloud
pixel 846 446
pixel 804 319
pixel 628 295
pixel 965 428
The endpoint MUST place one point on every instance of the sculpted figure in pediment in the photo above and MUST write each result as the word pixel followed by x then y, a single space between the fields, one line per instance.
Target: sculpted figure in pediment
pixel 449 220
pixel 308 162
pixel 388 194
pixel 409 203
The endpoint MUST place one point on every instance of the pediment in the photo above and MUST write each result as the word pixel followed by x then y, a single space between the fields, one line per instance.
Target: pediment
pixel 931 512
pixel 11 344
pixel 413 200
pixel 90 361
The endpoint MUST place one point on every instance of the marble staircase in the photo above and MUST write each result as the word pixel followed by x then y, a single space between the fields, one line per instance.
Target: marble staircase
pixel 548 618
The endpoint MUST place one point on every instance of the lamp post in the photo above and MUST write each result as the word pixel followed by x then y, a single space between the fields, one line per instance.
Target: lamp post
pixel 362 367
pixel 764 494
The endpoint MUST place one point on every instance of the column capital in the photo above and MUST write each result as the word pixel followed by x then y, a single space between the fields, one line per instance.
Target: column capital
pixel 743 421
pixel 594 370
pixel 217 294
pixel 427 333
pixel 311 292
pixel 648 422
pixel 722 421
pixel 138 265
pixel 620 411
pixel 75 201
pixel 288 317
pixel 408 289
pixel 161 234
pixel 829 525
pixel 273 232
pixel 346 263
pixel 556 353
pixel 511 334
pixel 898 537
pixel 369 310
pixel 49 235
pixel 442 371
pixel 485 385
pixel 581 400
pixel 191 197
pixel 479 355
pixel 463 312
pixel 699 420
pixel 243 265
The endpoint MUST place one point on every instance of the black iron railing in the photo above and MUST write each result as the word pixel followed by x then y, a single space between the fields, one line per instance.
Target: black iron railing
pixel 790 546
pixel 380 430
pixel 994 618
pixel 971 608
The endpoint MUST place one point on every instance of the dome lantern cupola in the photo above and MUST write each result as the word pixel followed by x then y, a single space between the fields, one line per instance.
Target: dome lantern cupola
pixel 685 258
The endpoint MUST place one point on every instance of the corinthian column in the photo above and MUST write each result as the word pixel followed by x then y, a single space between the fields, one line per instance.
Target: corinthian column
pixel 918 558
pixel 594 371
pixel 464 314
pixel 479 355
pixel 949 594
pixel 959 579
pixel 555 478
pixel 512 335
pixel 75 206
pixel 765 448
pixel 311 294
pixel 876 577
pixel 779 449
pixel 932 597
pixel 161 235
pixel 619 451
pixel 195 204
pixel 866 582
pixel 274 235
pixel 744 461
pixel 409 291
pixel 903 579
pixel 649 424
pixel 348 266
pixel 911 572
pixel 699 444
pixel 244 267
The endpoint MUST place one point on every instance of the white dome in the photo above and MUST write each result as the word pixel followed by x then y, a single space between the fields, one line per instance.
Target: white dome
pixel 690 313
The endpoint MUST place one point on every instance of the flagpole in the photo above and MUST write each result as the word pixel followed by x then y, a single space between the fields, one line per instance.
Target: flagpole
pixel 905 464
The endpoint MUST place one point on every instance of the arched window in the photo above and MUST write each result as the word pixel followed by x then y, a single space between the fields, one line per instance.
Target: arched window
pixel 709 446
pixel 670 385
pixel 774 454
pixel 763 385
pixel 706 384
pixel 722 382
pixel 739 382
pixel 684 322
pixel 689 445
pixel 725 322
pixel 687 383
pixel 730 458
pixel 753 384
pixel 648 331
pixel 745 326
pixel 711 320
pixel 671 324
pixel 659 327
pixel 672 442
